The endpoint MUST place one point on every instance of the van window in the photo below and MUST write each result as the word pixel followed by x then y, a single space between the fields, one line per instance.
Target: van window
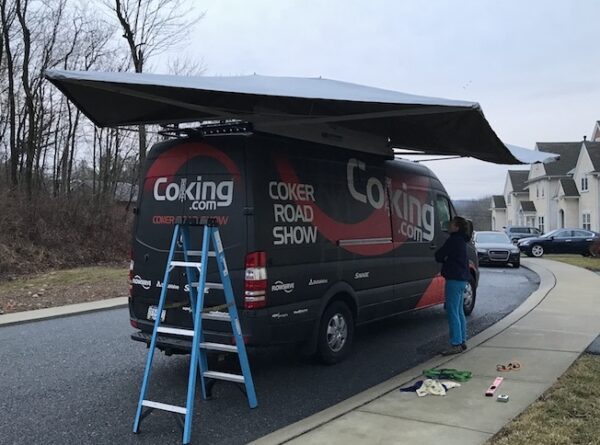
pixel 442 209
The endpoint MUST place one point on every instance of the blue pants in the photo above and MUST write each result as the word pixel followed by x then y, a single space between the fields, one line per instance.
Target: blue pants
pixel 455 311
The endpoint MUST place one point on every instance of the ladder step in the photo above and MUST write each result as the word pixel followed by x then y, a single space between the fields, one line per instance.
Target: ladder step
pixel 214 285
pixel 176 331
pixel 185 264
pixel 218 316
pixel 164 407
pixel 218 347
pixel 224 376
pixel 199 253
pixel 208 286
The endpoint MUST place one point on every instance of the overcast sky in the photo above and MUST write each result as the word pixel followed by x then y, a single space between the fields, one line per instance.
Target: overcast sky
pixel 532 65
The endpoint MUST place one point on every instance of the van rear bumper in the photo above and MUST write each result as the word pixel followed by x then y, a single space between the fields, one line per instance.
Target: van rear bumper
pixel 259 329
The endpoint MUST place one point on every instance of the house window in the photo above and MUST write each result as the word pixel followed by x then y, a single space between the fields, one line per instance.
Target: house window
pixel 537 191
pixel 542 192
pixel 586 221
pixel 508 200
pixel 584 184
pixel 541 223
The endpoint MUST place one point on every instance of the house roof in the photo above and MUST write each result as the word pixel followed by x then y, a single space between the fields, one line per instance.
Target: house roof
pixel 569 187
pixel 518 179
pixel 498 202
pixel 528 206
pixel 568 151
pixel 593 149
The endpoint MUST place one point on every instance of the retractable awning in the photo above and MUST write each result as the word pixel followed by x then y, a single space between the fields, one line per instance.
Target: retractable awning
pixel 338 113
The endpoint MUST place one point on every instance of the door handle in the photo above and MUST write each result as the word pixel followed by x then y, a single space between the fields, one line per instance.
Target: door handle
pixel 432 246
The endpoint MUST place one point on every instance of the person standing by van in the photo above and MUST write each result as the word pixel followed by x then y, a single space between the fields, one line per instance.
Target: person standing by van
pixel 455 269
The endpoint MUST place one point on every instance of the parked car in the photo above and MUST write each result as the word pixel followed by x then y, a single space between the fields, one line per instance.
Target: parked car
pixel 496 248
pixel 560 241
pixel 515 233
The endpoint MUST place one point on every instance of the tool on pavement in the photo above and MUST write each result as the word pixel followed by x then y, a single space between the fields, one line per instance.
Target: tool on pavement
pixel 511 366
pixel 447 373
pixel 494 386
pixel 199 346
pixel 502 398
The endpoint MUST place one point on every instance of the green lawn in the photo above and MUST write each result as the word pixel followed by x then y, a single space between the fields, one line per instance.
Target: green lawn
pixel 568 413
pixel 590 263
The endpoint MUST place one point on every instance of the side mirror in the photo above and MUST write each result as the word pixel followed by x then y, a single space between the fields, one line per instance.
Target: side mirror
pixel 551 238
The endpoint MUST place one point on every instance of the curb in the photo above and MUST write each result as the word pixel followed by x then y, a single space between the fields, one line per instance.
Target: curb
pixel 290 432
pixel 62 311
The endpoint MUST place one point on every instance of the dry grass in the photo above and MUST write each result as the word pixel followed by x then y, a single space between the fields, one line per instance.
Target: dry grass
pixel 48 233
pixel 590 263
pixel 566 414
pixel 63 287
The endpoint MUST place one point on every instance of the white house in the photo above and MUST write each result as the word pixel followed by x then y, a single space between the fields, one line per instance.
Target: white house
pixel 586 176
pixel 564 193
pixel 498 212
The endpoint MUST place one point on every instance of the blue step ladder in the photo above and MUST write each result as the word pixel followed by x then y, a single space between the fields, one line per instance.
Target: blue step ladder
pixel 198 360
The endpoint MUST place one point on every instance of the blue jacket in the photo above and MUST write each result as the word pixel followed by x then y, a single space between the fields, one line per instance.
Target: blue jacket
pixel 454 256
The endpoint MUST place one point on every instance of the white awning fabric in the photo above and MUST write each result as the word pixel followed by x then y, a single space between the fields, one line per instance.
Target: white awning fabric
pixel 337 113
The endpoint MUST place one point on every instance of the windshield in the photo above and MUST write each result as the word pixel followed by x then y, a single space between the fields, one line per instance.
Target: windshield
pixel 490 238
pixel 551 233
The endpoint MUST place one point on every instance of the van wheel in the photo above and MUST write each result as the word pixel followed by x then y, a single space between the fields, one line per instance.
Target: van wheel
pixel 336 332
pixel 469 295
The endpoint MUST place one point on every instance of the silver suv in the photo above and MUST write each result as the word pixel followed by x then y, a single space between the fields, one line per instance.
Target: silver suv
pixel 515 233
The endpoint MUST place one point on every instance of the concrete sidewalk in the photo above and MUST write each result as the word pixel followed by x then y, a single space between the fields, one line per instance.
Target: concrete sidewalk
pixel 62 311
pixel 545 334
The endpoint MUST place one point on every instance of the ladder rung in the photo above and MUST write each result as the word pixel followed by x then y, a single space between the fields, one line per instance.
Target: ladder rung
pixel 219 316
pixel 199 253
pixel 224 376
pixel 214 285
pixel 164 407
pixel 208 285
pixel 176 331
pixel 219 347
pixel 186 264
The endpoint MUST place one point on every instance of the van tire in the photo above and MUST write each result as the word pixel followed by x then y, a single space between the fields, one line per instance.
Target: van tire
pixel 468 306
pixel 336 332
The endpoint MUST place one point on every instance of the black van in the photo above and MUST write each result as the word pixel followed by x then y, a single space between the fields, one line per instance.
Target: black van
pixel 318 239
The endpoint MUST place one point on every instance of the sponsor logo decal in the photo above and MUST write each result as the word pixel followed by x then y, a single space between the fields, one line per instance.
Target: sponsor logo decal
pixel 202 195
pixel 312 282
pixel 199 193
pixel 278 315
pixel 169 286
pixel 137 280
pixel 416 217
pixel 361 275
pixel 280 285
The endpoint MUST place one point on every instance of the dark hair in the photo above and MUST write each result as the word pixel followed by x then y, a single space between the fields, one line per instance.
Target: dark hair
pixel 462 224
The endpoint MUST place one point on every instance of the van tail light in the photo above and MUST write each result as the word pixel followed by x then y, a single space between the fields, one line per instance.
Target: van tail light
pixel 255 284
pixel 131 264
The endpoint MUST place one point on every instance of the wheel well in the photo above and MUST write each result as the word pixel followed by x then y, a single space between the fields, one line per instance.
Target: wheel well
pixel 348 300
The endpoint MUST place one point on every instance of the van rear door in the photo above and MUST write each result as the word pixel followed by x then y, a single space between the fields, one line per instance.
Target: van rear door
pixel 188 181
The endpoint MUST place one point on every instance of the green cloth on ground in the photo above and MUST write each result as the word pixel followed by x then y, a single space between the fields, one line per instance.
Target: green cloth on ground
pixel 448 373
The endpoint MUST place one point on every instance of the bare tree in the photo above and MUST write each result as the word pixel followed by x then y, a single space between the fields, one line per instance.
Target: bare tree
pixel 7 17
pixel 149 28
pixel 185 66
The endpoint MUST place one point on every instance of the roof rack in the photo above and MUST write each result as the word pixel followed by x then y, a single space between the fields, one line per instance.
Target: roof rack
pixel 208 128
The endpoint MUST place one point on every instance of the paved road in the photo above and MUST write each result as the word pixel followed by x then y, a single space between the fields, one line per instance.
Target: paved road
pixel 75 380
